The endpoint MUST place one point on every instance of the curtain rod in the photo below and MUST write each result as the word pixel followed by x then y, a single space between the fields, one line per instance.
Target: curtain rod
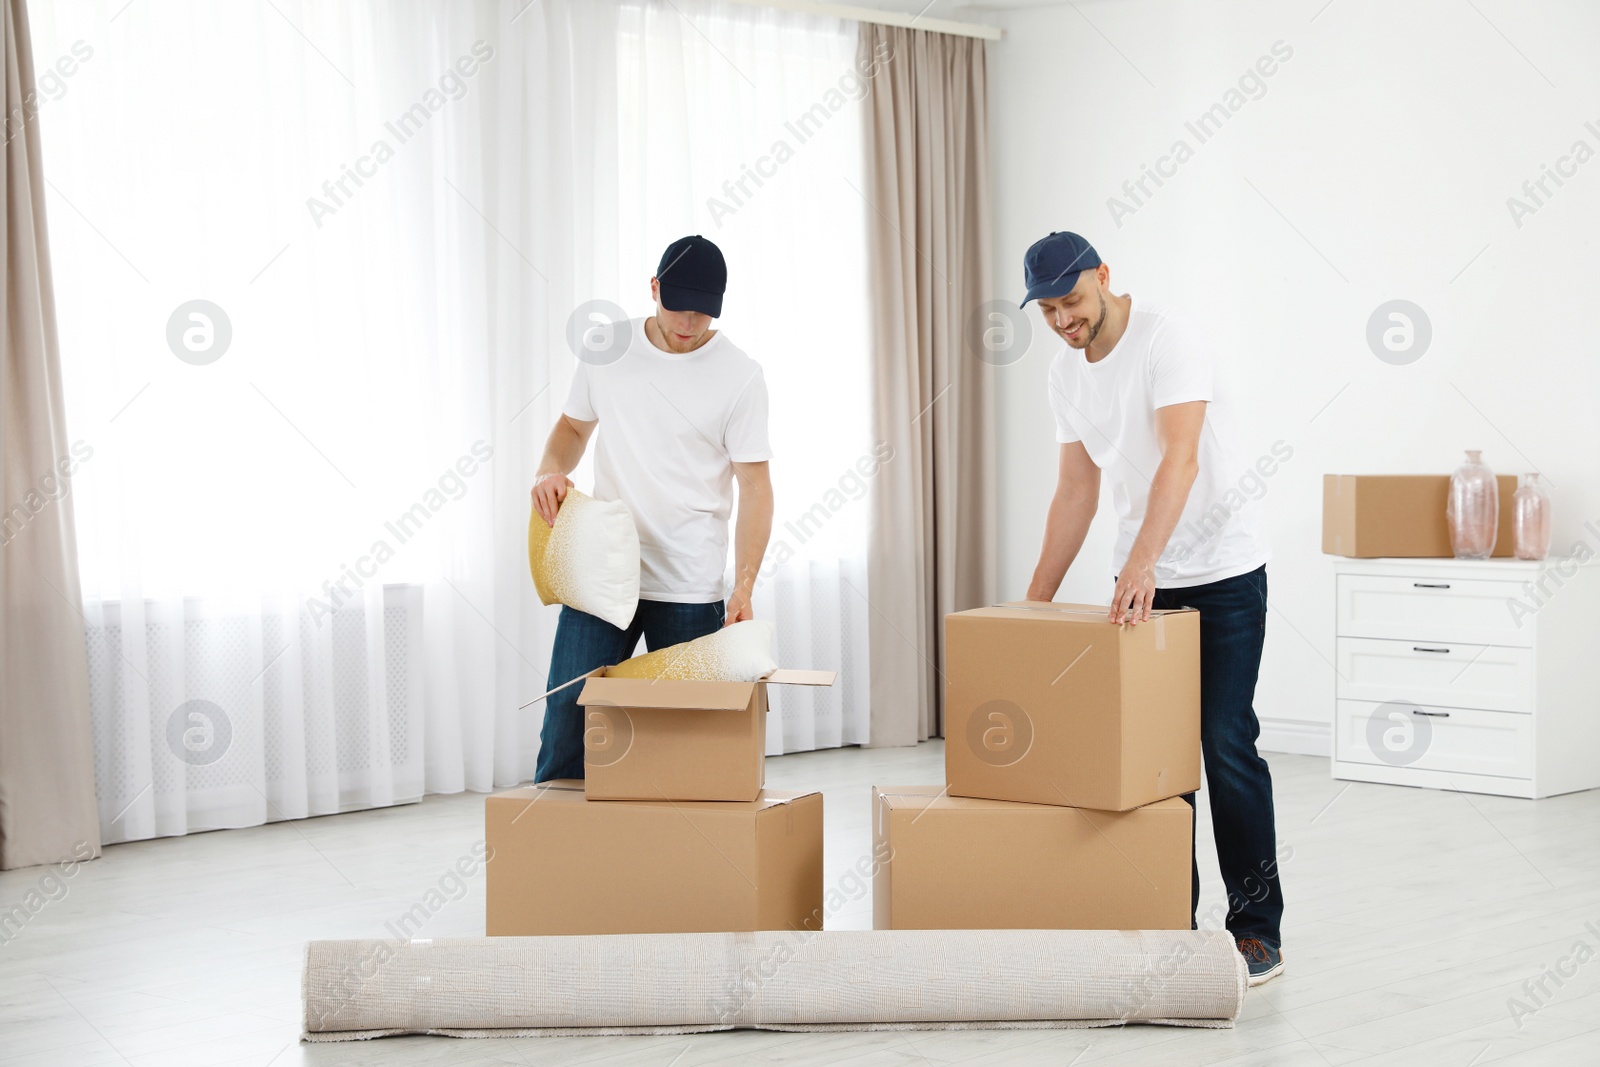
pixel 882 18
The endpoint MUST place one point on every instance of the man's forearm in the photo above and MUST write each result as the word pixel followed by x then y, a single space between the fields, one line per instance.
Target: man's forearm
pixel 751 532
pixel 1065 527
pixel 1169 493
pixel 562 451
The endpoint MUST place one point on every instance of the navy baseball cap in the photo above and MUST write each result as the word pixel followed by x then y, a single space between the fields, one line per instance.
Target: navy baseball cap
pixel 693 276
pixel 1051 266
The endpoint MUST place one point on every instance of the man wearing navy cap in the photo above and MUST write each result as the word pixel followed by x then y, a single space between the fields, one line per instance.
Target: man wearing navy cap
pixel 683 412
pixel 1136 394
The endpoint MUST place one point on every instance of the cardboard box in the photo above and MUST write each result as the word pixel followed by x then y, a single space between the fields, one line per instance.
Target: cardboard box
pixel 646 739
pixel 1053 704
pixel 559 864
pixel 954 863
pixel 1367 516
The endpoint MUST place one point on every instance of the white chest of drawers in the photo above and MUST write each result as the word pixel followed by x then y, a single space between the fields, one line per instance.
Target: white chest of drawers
pixel 1481 676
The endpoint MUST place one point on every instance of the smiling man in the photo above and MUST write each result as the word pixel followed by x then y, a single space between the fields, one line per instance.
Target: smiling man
pixel 1135 394
pixel 681 412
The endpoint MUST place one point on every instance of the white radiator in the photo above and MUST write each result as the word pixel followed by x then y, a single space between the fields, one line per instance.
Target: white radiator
pixel 332 725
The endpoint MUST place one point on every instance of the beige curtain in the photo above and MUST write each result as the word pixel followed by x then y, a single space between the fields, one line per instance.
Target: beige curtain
pixel 47 803
pixel 933 521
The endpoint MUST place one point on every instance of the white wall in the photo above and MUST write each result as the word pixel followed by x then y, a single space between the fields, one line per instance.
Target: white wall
pixel 1391 140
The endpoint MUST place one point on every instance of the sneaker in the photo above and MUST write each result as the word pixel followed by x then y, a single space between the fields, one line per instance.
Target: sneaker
pixel 1263 959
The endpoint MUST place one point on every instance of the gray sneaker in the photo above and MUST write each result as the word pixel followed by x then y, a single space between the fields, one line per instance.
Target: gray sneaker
pixel 1262 957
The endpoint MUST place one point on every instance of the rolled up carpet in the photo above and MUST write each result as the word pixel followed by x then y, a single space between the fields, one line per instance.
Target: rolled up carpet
pixel 771 980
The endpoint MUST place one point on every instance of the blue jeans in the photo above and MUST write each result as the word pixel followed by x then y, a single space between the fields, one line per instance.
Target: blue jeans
pixel 584 643
pixel 1233 625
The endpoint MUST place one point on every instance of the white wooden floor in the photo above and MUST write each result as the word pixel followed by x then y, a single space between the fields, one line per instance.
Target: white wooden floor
pixel 1413 917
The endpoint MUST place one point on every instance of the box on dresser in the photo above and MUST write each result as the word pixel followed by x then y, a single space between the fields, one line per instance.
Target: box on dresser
pixel 1475 675
pixel 1371 516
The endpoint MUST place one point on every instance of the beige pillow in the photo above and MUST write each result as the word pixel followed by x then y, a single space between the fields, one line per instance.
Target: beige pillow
pixel 738 653
pixel 589 560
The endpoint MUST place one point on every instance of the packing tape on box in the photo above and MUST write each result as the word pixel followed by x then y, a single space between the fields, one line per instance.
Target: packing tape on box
pixel 1157 616
pixel 770 980
pixel 1058 609
pixel 1062 609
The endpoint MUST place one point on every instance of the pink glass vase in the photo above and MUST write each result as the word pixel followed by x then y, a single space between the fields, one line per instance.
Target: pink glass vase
pixel 1473 509
pixel 1530 519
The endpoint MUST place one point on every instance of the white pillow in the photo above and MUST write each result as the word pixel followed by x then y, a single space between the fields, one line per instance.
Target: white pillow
pixel 589 560
pixel 738 653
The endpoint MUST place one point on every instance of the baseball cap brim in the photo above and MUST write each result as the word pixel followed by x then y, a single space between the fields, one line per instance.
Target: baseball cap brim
pixel 1053 288
pixel 680 298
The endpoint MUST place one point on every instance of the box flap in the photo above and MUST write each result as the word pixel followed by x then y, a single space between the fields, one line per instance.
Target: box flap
pixel 909 790
pixel 787 676
pixel 910 796
pixel 529 792
pixel 774 797
pixel 661 693
pixel 767 798
pixel 571 789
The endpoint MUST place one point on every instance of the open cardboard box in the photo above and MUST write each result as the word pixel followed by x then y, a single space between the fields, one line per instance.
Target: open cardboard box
pixel 655 739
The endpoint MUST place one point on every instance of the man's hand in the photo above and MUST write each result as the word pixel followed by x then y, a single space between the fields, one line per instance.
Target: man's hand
pixel 1039 593
pixel 738 609
pixel 548 493
pixel 1135 592
pixel 568 439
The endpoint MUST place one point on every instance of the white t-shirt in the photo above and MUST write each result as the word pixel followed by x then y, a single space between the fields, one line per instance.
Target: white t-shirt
pixel 1111 405
pixel 671 428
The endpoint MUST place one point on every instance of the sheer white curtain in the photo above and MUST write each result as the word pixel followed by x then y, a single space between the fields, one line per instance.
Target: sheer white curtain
pixel 303 563
pixel 314 267
pixel 743 124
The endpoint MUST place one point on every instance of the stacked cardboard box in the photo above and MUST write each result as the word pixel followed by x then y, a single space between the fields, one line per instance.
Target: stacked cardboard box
pixel 670 830
pixel 1066 741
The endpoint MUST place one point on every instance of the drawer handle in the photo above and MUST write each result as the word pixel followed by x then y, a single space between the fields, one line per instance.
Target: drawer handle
pixel 1431 714
pixel 1431 585
pixel 1419 648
